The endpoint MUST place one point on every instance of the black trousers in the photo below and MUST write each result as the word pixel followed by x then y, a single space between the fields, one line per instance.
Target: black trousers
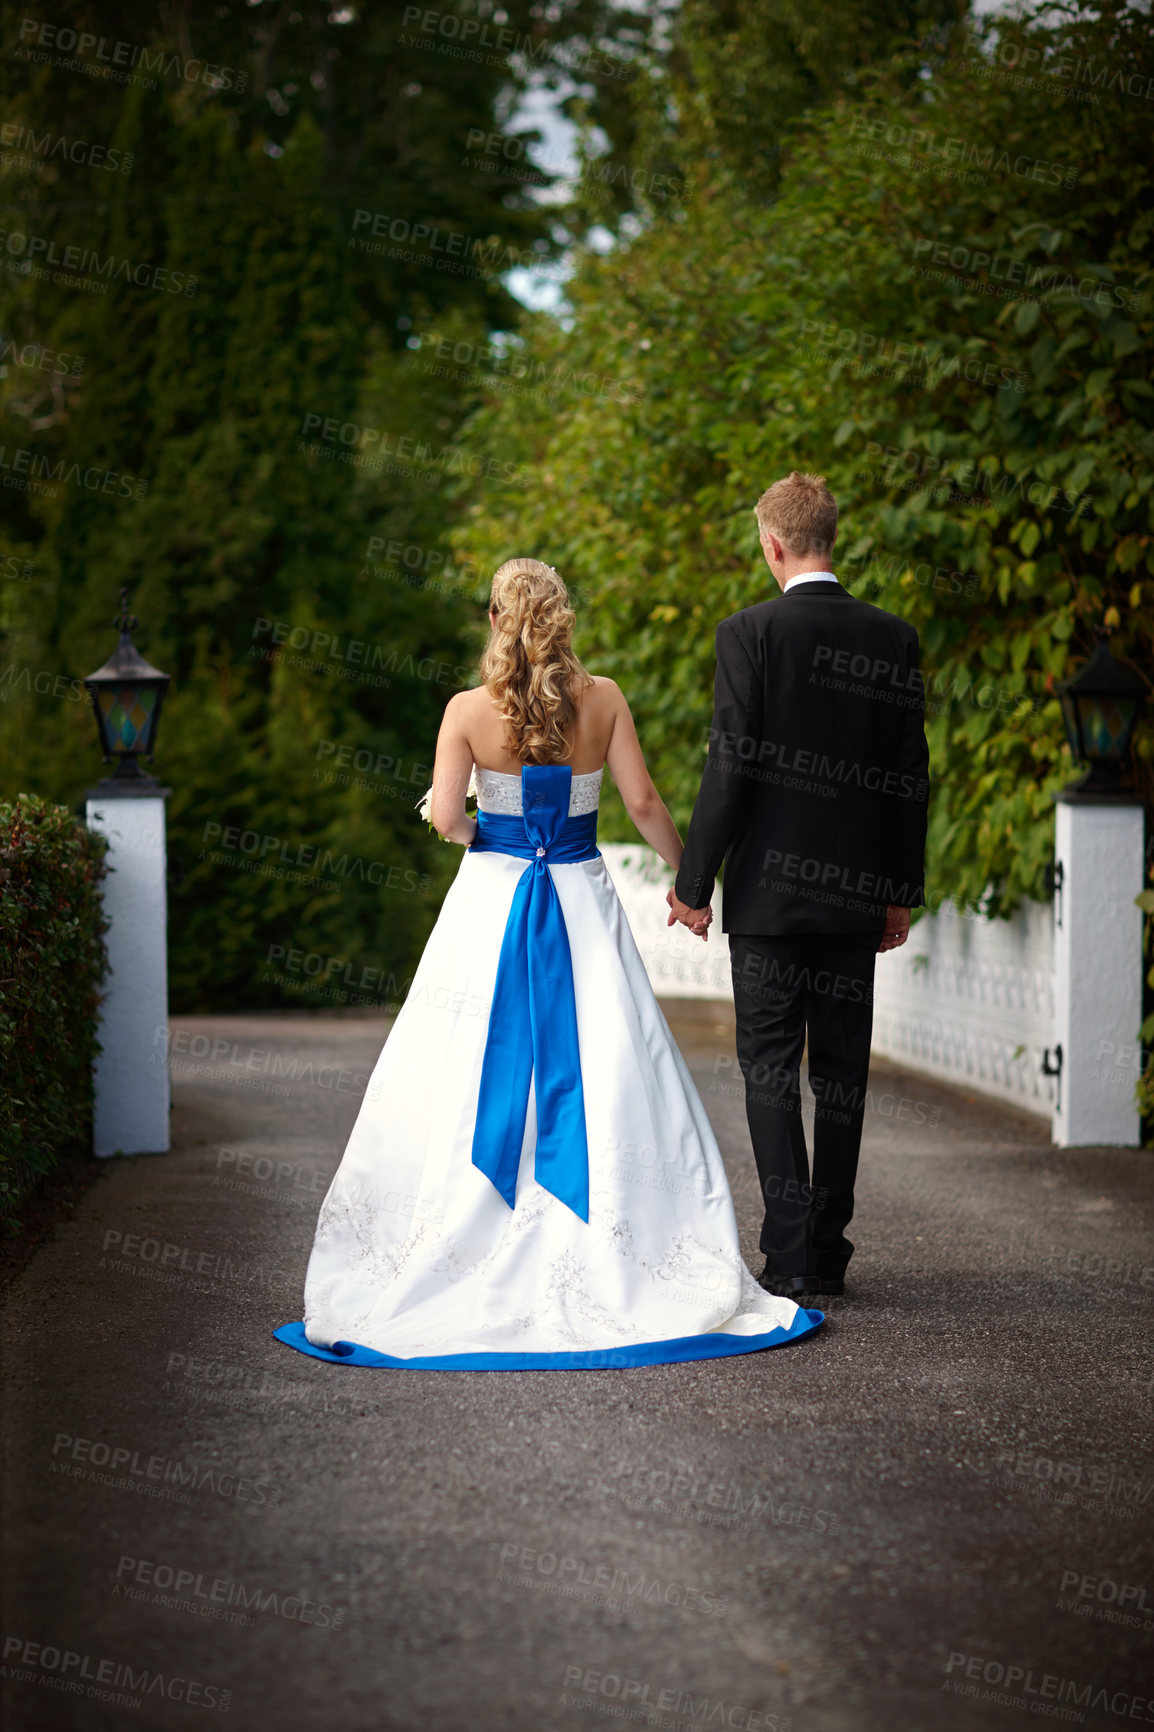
pixel 820 983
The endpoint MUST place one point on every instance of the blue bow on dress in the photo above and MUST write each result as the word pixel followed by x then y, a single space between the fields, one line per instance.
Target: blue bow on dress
pixel 532 1034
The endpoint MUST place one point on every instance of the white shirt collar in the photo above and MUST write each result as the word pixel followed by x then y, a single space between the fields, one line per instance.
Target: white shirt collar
pixel 810 577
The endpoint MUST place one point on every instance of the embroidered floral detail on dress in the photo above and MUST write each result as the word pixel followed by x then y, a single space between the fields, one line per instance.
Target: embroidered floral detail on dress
pixel 585 794
pixel 357 1214
pixel 568 1294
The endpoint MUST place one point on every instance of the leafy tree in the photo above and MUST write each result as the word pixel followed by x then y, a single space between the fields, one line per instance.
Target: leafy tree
pixel 293 196
pixel 735 74
pixel 947 311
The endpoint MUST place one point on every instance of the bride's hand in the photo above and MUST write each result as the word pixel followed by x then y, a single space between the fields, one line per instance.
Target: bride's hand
pixel 698 920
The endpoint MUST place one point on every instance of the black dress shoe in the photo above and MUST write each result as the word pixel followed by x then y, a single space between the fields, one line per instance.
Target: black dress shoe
pixel 788 1286
pixel 831 1284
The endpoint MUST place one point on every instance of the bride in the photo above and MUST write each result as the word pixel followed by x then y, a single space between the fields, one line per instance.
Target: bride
pixel 532 1181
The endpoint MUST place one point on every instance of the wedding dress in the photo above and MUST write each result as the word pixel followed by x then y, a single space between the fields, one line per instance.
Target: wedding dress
pixel 532 1181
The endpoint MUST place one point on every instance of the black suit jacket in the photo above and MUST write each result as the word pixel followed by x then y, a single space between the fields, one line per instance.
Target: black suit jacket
pixel 815 788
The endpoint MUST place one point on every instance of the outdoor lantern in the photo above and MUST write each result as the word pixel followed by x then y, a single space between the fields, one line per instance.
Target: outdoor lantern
pixel 127 693
pixel 1100 705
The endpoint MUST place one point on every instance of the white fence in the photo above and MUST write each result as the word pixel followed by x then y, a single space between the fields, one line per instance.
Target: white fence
pixel 966 999
pixel 679 965
pixel 971 1000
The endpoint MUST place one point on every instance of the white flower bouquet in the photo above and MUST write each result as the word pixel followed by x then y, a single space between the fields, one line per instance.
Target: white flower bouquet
pixel 425 803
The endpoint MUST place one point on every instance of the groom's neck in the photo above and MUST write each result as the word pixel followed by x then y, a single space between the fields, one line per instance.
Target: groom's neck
pixel 788 573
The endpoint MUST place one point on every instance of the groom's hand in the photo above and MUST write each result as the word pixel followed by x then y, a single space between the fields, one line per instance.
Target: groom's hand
pixel 698 920
pixel 897 928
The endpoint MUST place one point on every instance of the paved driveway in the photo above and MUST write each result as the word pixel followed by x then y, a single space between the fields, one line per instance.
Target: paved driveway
pixel 936 1513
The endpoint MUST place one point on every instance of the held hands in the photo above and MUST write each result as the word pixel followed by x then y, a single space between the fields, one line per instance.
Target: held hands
pixel 698 920
pixel 897 928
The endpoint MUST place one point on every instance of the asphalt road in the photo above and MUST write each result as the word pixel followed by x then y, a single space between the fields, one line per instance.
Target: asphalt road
pixel 934 1513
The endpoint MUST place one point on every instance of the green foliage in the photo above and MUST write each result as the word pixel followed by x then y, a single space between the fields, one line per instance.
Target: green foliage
pixel 947 311
pixel 52 961
pixel 738 72
pixel 227 308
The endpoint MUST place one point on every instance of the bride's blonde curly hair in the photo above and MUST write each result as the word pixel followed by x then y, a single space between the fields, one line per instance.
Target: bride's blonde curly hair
pixel 529 665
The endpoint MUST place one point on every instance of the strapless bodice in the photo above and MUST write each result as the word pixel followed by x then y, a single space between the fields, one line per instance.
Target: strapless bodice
pixel 499 792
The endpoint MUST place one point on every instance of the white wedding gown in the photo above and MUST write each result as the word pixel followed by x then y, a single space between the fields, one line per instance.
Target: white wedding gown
pixel 419 1261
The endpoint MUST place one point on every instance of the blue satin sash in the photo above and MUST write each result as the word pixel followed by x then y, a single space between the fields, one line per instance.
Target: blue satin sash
pixel 533 1020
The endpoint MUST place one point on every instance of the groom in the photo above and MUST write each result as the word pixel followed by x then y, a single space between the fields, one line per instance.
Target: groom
pixel 814 795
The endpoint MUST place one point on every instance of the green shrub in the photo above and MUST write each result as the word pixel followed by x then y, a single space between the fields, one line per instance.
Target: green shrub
pixel 52 962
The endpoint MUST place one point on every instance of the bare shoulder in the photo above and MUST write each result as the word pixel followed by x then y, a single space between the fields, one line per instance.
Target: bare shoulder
pixel 605 693
pixel 462 705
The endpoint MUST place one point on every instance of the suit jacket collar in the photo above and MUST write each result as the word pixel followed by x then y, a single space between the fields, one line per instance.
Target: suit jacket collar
pixel 819 586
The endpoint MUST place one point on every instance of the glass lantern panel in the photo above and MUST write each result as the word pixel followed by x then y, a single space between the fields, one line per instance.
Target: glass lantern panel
pixel 1105 725
pixel 1070 718
pixel 128 713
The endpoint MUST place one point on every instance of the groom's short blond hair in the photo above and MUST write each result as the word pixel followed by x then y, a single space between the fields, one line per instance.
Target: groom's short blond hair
pixel 801 511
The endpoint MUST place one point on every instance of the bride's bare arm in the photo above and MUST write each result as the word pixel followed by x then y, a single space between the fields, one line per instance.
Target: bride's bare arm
pixel 452 768
pixel 643 803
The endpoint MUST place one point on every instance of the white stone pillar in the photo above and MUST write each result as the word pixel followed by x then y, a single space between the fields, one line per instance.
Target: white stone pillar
pixel 1097 970
pixel 131 1073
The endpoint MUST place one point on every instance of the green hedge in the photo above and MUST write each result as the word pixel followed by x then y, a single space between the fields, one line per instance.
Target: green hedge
pixel 52 962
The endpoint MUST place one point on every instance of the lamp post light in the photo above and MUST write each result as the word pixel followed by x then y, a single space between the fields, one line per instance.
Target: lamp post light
pixel 130 1078
pixel 1099 856
pixel 1100 706
pixel 127 694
